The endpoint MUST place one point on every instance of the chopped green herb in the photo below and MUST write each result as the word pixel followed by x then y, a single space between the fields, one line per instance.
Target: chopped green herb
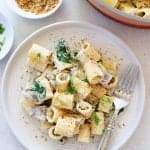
pixel 39 55
pixel 85 80
pixel 106 100
pixel 71 88
pixel 62 53
pixel 95 118
pixel 2 29
pixel 75 53
pixel 2 43
pixel 39 89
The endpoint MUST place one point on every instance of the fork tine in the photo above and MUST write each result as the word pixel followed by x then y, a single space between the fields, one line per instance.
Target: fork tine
pixel 133 78
pixel 128 80
pixel 123 79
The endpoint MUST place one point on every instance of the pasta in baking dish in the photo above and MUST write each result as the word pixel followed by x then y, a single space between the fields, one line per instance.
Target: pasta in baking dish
pixel 139 8
pixel 69 94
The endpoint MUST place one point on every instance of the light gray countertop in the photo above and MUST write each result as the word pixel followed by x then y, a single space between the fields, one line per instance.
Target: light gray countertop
pixel 137 39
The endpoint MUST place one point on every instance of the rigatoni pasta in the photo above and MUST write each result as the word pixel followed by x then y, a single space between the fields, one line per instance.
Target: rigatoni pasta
pixel 85 109
pixel 53 114
pixel 65 126
pixel 84 133
pixel 82 87
pixel 93 71
pixel 98 127
pixel 63 101
pixel 38 57
pixel 91 52
pixel 139 8
pixel 53 135
pixel 62 81
pixel 70 95
pixel 105 104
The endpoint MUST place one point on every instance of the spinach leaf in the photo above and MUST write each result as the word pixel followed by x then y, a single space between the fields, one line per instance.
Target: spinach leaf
pixel 39 89
pixel 2 29
pixel 75 53
pixel 85 80
pixel 71 88
pixel 38 55
pixel 95 118
pixel 61 50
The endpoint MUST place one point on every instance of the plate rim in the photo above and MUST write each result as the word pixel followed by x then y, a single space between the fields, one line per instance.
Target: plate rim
pixel 80 23
pixel 10 44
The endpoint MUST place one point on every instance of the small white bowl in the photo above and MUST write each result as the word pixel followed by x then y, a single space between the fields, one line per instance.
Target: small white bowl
pixel 15 8
pixel 8 34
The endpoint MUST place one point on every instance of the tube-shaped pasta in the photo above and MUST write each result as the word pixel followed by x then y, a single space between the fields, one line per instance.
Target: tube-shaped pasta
pixel 84 133
pixel 62 81
pixel 141 4
pixel 79 121
pixel 53 114
pixel 105 104
pixel 39 91
pixel 97 124
pixel 83 88
pixel 98 91
pixel 61 65
pixel 53 135
pixel 48 72
pixel 63 100
pixel 94 72
pixel 82 57
pixel 84 108
pixel 79 73
pixel 108 80
pixel 112 83
pixel 110 65
pixel 38 57
pixel 42 84
pixel 127 7
pixel 91 52
pixel 65 126
pixel 144 12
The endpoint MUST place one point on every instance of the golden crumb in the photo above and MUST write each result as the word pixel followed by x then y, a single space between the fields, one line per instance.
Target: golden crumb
pixel 37 6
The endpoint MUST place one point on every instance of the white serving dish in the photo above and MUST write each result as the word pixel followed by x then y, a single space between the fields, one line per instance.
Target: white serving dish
pixel 15 8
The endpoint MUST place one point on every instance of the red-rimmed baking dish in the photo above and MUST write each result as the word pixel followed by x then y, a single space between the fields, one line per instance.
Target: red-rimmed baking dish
pixel 120 16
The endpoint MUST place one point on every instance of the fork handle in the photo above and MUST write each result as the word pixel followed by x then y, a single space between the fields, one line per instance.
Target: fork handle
pixel 107 133
pixel 104 139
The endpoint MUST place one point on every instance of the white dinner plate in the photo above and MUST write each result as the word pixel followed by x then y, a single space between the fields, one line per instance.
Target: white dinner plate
pixel 8 36
pixel 26 129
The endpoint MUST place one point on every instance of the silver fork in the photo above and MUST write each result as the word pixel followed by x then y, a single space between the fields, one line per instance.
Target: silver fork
pixel 122 95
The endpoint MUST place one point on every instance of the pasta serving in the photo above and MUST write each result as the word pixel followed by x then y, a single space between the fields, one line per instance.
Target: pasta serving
pixel 69 95
pixel 139 8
